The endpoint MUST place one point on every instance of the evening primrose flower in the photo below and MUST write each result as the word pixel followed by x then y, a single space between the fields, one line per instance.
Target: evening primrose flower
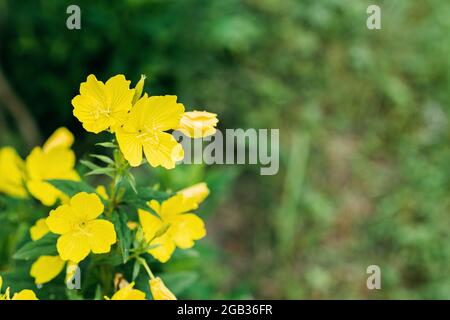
pixel 39 229
pixel 12 173
pixel 55 160
pixel 198 192
pixel 128 293
pixel 81 232
pixel 173 226
pixel 198 124
pixel 159 290
pixel 22 295
pixel 46 268
pixel 101 106
pixel 144 130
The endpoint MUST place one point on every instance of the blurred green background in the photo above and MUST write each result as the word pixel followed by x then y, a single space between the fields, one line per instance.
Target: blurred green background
pixel 363 118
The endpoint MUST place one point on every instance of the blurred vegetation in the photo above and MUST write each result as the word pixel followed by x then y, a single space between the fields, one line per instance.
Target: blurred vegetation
pixel 363 118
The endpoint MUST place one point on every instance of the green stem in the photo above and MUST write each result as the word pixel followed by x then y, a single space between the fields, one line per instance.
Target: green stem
pixel 146 267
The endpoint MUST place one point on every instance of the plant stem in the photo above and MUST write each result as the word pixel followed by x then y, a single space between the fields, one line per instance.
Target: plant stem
pixel 146 267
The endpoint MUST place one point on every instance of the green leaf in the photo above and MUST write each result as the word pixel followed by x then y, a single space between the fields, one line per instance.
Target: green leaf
pixel 46 246
pixel 140 199
pixel 99 171
pixel 70 187
pixel 120 220
pixel 106 144
pixel 131 181
pixel 89 164
pixel 103 158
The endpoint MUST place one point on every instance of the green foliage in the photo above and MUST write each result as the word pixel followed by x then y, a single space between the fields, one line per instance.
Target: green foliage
pixel 46 246
pixel 370 187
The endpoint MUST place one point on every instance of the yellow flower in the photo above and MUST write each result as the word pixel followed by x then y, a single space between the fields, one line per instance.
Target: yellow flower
pixel 132 225
pixel 198 192
pixel 128 293
pixel 62 137
pixel 172 228
pixel 54 161
pixel 22 295
pixel 46 268
pixel 144 130
pixel 100 106
pixel 101 191
pixel 25 295
pixel 198 124
pixel 12 173
pixel 80 231
pixel 160 291
pixel 39 229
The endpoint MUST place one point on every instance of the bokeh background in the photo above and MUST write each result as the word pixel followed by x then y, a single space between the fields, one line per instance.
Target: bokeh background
pixel 363 118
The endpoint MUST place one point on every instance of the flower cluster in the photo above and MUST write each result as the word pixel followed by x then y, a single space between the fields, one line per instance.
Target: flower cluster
pixel 109 227
pixel 140 122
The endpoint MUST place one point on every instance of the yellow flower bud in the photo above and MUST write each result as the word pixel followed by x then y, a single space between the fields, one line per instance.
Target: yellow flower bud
pixel 160 291
pixel 138 89
pixel 198 192
pixel 198 124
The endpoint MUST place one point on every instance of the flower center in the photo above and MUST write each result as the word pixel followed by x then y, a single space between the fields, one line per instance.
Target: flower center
pixel 148 135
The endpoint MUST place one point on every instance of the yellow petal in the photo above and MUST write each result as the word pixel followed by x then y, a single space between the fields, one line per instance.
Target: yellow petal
pixel 39 229
pixel 120 98
pixel 62 137
pixel 132 225
pixel 102 235
pixel 87 206
pixel 186 228
pixel 175 205
pixel 160 291
pixel 56 163
pixel 61 219
pixel 128 293
pixel 12 173
pixel 46 268
pixel 160 113
pixel 131 146
pixel 198 124
pixel 197 192
pixel 25 295
pixel 101 191
pixel 73 246
pixel 163 151
pixel 150 224
pixel 165 246
pixel 43 191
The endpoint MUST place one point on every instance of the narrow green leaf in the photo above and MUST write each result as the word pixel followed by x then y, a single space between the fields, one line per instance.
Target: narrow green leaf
pixel 70 187
pixel 136 269
pixel 106 144
pixel 120 220
pixel 103 158
pixel 99 171
pixel 46 246
pixel 89 164
pixel 131 181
